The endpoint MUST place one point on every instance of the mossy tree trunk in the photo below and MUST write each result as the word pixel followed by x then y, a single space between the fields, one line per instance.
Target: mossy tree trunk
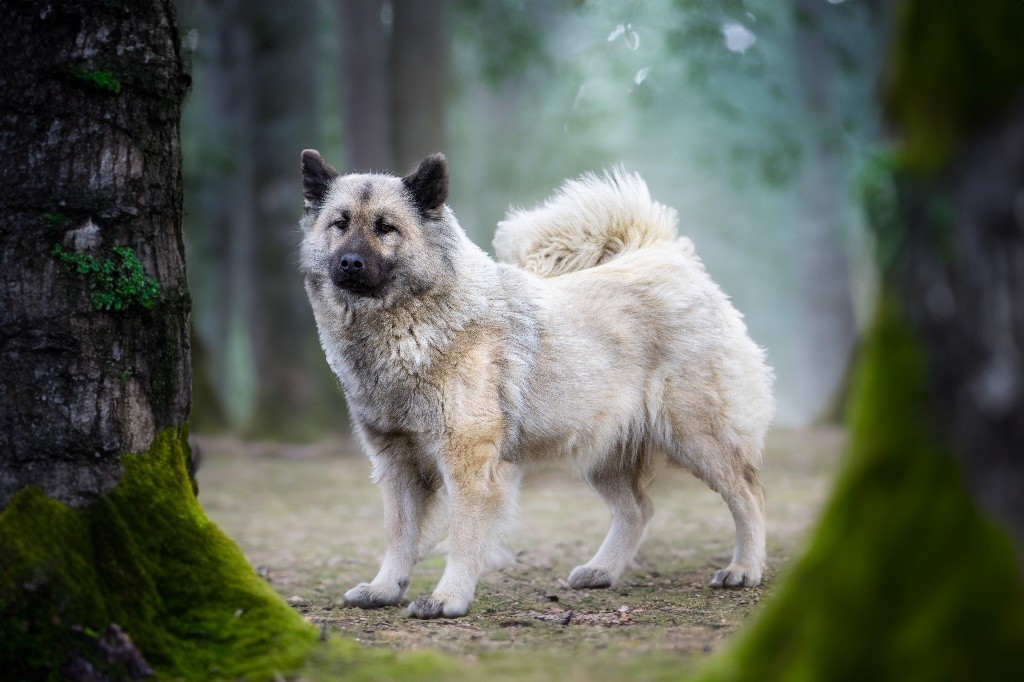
pixel 108 566
pixel 913 573
pixel 91 101
pixel 958 242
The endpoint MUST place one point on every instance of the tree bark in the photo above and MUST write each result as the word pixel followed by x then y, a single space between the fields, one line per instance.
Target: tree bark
pixel 962 281
pixel 108 567
pixel 419 79
pixel 365 43
pixel 89 128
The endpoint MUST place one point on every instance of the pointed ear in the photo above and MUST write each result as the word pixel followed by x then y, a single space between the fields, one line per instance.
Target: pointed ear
pixel 317 176
pixel 428 184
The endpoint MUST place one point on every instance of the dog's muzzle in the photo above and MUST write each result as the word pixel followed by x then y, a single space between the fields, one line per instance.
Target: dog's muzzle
pixel 356 273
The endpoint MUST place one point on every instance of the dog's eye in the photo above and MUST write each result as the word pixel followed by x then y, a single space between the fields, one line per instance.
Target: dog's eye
pixel 342 222
pixel 384 227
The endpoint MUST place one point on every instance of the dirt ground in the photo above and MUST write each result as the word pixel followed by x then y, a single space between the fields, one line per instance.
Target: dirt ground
pixel 311 523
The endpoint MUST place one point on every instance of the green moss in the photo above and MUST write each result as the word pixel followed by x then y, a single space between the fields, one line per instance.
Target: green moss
pixel 345 659
pixel 115 286
pixel 879 195
pixel 904 578
pixel 952 65
pixel 101 80
pixel 55 219
pixel 147 558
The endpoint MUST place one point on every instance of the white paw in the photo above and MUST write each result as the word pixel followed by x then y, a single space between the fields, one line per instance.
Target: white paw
pixel 590 577
pixel 431 607
pixel 370 596
pixel 737 575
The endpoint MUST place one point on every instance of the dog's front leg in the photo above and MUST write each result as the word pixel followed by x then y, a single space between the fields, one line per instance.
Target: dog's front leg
pixel 407 500
pixel 483 491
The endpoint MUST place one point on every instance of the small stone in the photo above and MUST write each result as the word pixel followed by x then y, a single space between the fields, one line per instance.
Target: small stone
pixel 565 620
pixel 296 600
pixel 551 597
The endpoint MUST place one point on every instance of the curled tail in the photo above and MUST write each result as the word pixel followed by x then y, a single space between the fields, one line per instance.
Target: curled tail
pixel 585 223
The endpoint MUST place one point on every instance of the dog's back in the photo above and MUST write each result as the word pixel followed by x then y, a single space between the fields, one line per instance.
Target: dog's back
pixel 615 267
pixel 642 351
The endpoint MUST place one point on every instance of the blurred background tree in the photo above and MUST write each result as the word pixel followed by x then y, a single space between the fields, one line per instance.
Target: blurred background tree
pixel 752 118
pixel 907 576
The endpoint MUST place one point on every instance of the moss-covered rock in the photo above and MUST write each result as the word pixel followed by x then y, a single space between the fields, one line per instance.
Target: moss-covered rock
pixel 146 558
pixel 904 578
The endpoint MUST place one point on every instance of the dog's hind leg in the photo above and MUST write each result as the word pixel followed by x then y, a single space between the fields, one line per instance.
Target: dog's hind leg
pixel 631 509
pixel 729 473
pixel 745 497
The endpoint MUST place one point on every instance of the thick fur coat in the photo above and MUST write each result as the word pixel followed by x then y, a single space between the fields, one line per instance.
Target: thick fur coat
pixel 600 340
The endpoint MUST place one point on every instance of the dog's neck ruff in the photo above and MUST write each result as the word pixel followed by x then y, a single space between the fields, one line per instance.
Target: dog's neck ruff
pixel 409 336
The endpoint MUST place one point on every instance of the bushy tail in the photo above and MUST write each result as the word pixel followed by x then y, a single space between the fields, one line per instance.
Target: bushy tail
pixel 585 223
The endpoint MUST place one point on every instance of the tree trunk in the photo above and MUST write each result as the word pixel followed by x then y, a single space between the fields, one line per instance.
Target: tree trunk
pixel 100 532
pixel 419 80
pixel 827 293
pixel 365 43
pixel 297 397
pixel 912 572
pixel 257 86
pixel 93 162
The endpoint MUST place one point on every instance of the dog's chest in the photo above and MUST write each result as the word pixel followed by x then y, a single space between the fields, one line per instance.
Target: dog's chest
pixel 390 388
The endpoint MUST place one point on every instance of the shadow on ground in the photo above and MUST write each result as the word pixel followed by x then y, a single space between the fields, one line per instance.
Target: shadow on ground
pixel 311 523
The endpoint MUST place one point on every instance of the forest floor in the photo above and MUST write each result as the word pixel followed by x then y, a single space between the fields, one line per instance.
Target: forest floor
pixel 311 523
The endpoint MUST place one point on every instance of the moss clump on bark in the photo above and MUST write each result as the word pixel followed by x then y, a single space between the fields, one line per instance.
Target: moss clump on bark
pixel 101 80
pixel 904 577
pixel 146 558
pixel 116 286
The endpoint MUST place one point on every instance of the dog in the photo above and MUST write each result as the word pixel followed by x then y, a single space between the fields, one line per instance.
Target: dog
pixel 597 339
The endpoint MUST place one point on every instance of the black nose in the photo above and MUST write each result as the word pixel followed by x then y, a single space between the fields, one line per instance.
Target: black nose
pixel 351 263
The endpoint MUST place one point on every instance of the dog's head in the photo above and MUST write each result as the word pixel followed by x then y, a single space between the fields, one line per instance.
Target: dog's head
pixel 374 237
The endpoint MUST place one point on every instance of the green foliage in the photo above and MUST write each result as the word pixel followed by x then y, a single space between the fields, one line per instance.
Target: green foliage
pixel 147 558
pixel 101 80
pixel 115 286
pixel 517 47
pixel 904 578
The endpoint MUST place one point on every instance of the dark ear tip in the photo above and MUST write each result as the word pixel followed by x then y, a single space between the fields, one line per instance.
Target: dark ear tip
pixel 434 161
pixel 311 155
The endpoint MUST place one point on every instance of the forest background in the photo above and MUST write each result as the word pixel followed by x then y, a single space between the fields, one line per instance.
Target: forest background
pixel 757 120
